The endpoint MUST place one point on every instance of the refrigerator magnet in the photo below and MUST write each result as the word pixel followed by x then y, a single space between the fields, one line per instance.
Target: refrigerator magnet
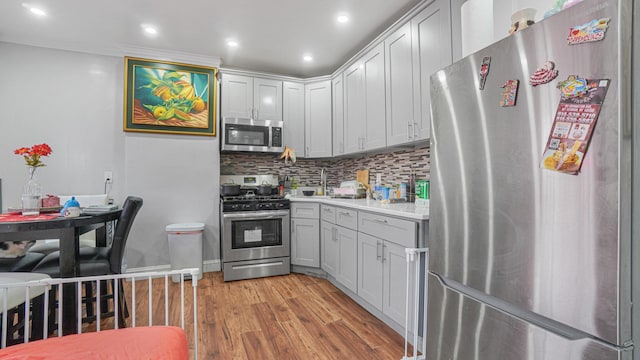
pixel 509 93
pixel 575 87
pixel 594 30
pixel 484 71
pixel 544 74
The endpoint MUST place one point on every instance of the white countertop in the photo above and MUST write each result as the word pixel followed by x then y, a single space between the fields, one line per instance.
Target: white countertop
pixel 405 210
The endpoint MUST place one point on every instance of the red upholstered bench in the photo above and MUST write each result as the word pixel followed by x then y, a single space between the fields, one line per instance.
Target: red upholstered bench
pixel 155 342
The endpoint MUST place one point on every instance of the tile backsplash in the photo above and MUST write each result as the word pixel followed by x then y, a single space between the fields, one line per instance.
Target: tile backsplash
pixel 395 167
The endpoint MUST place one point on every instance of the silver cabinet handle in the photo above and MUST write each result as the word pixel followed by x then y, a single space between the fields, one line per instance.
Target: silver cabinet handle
pixel 345 213
pixel 415 129
pixel 335 234
pixel 378 255
pixel 293 227
pixel 409 126
pixel 384 259
pixel 307 152
pixel 380 220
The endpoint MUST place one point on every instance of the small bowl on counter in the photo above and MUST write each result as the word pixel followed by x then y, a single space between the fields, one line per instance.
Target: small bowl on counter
pixel 308 192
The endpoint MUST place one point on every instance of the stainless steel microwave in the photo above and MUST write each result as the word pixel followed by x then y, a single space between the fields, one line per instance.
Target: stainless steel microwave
pixel 242 134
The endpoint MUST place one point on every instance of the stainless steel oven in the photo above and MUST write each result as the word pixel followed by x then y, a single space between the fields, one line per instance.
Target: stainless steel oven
pixel 255 240
pixel 239 134
pixel 255 244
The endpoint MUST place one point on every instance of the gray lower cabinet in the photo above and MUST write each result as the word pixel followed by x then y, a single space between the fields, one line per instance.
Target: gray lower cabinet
pixel 340 245
pixel 329 249
pixel 305 234
pixel 382 265
pixel 305 242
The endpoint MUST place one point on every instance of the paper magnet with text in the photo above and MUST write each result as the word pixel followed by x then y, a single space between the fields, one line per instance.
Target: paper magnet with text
pixel 574 123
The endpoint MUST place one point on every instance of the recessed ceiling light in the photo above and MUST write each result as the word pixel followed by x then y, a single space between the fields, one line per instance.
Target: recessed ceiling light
pixel 35 10
pixel 149 29
pixel 232 43
pixel 342 18
pixel 307 58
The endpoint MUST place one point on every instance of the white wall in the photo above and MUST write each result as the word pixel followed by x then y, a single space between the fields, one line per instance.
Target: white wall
pixel 74 102
pixel 486 21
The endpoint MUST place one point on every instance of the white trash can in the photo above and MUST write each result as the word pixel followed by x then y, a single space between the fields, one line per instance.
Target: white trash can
pixel 185 247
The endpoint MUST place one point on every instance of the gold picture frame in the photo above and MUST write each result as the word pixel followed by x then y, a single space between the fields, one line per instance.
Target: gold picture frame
pixel 169 97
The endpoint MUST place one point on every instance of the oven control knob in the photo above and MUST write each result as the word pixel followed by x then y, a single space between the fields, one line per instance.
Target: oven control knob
pixel 246 206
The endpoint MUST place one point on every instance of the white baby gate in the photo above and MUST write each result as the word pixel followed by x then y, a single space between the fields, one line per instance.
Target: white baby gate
pixel 417 264
pixel 97 280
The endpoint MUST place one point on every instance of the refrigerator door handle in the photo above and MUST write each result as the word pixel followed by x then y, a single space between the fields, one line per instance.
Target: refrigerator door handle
pixel 544 322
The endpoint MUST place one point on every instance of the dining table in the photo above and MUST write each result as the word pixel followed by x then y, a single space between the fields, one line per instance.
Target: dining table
pixel 15 227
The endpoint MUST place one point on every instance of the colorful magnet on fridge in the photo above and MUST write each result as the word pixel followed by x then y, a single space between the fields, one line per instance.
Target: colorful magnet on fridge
pixel 575 87
pixel 509 93
pixel 544 74
pixel 484 71
pixel 594 30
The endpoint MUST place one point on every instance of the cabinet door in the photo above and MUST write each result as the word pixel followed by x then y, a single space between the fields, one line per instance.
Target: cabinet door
pixel 347 273
pixel 395 283
pixel 305 210
pixel 399 71
pixel 318 119
pixel 236 95
pixel 305 242
pixel 267 99
pixel 329 249
pixel 431 30
pixel 354 103
pixel 375 118
pixel 293 116
pixel 370 269
pixel 338 115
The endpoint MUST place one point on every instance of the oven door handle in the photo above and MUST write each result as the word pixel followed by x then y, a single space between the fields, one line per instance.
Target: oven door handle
pixel 259 215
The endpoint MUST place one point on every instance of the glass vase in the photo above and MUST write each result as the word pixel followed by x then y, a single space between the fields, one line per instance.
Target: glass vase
pixel 31 195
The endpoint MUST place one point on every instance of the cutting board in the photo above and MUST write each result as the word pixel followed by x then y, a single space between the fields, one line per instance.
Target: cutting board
pixel 362 176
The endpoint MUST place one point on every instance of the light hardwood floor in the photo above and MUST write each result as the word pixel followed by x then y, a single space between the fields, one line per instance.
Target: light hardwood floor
pixel 282 317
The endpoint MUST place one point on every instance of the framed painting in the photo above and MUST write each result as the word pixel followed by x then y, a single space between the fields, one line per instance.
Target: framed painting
pixel 168 97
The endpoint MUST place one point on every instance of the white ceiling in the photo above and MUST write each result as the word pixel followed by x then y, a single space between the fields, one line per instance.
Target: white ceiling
pixel 272 35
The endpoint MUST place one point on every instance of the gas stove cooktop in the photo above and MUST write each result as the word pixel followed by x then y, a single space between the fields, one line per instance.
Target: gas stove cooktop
pixel 254 203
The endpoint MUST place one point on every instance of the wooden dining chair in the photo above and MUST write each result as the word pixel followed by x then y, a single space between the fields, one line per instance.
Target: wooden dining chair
pixel 93 261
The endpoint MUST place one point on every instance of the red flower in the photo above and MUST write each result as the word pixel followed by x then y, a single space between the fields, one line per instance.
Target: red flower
pixel 32 155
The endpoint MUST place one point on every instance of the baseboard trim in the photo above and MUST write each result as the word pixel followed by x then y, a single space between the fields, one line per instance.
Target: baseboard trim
pixel 207 266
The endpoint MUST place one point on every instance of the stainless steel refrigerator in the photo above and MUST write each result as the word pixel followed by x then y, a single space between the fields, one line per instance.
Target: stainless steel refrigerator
pixel 534 207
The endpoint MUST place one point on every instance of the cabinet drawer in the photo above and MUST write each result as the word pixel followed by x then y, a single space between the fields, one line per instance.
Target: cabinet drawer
pixel 305 210
pixel 347 218
pixel 401 232
pixel 328 213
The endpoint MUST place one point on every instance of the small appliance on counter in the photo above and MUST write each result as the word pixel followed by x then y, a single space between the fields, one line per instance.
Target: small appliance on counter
pixel 349 190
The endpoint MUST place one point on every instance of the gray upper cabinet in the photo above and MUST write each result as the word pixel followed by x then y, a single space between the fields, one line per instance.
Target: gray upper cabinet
pixel 293 116
pixel 375 117
pixel 318 119
pixel 236 96
pixel 337 105
pixel 364 103
pixel 431 32
pixel 400 78
pixel 249 97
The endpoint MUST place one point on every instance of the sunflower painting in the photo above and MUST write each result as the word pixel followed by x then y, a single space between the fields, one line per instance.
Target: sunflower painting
pixel 169 97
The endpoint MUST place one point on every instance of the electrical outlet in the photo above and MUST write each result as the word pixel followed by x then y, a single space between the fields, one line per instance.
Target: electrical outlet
pixel 108 177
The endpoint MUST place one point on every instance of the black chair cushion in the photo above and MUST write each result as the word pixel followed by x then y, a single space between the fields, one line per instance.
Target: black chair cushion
pixel 24 263
pixel 92 261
